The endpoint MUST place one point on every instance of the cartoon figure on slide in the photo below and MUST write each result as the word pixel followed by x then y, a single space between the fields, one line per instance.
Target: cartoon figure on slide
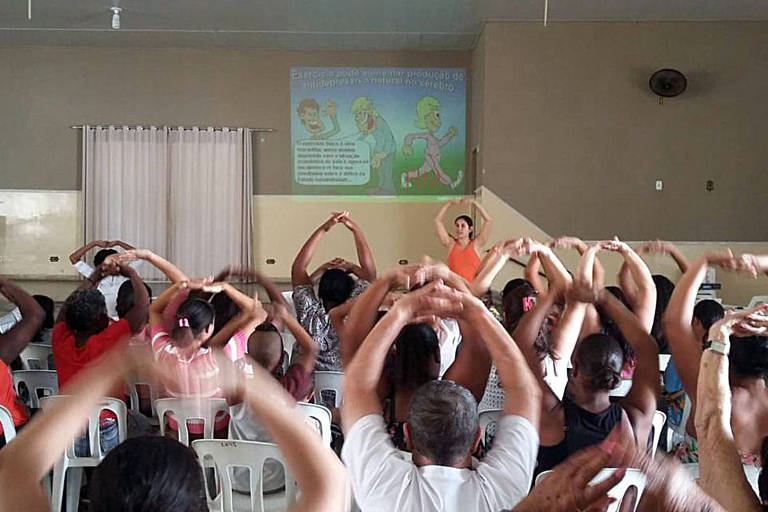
pixel 370 123
pixel 428 118
pixel 309 114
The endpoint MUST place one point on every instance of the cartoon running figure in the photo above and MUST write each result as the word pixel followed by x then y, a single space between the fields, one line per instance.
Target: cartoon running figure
pixel 370 123
pixel 428 113
pixel 309 114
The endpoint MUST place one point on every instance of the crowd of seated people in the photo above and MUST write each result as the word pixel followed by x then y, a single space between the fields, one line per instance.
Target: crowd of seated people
pixel 423 353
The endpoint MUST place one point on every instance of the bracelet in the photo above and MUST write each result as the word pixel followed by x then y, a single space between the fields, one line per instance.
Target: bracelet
pixel 718 347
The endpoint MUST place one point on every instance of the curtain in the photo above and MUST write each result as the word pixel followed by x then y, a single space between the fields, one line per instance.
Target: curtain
pixel 186 194
pixel 125 185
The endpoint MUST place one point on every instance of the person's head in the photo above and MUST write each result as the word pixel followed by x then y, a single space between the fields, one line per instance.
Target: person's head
pixel 515 302
pixel 86 312
pixel 416 358
pixel 224 310
pixel 101 255
pixel 265 346
pixel 464 226
pixel 47 304
pixel 749 357
pixel 514 283
pixel 124 301
pixel 442 426
pixel 148 474
pixel 597 363
pixel 664 289
pixel 335 288
pixel 705 313
pixel 428 114
pixel 193 324
pixel 309 115
pixel 365 114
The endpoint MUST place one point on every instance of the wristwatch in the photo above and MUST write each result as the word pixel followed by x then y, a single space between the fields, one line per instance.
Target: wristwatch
pixel 719 347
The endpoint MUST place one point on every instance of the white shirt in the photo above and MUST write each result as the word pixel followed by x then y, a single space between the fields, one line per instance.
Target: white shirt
pixel 8 321
pixel 449 336
pixel 109 286
pixel 383 480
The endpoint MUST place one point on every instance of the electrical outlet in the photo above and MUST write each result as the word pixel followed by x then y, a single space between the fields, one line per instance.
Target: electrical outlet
pixel 659 185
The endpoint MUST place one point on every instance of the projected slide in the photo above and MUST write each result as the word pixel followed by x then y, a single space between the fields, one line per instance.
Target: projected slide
pixel 378 131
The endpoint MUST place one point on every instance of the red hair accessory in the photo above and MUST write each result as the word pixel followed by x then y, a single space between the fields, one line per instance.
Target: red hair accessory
pixel 183 322
pixel 528 303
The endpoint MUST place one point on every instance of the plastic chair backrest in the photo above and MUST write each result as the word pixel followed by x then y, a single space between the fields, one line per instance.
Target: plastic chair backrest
pixel 659 419
pixel 286 361
pixel 184 409
pixel 623 389
pixel 115 406
pixel 488 421
pixel 753 474
pixel 229 454
pixel 288 296
pixel 319 417
pixel 6 420
pixel 45 381
pixel 37 357
pixel 328 382
pixel 634 477
pixel 664 362
pixel 133 393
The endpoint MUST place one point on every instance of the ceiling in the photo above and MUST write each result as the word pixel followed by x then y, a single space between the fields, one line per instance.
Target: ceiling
pixel 324 24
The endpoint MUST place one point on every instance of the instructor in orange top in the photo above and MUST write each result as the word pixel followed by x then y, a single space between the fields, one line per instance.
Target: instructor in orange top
pixel 464 248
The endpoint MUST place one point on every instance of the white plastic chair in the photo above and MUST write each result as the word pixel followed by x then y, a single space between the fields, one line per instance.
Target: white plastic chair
pixel 488 421
pixel 664 362
pixel 753 473
pixel 328 381
pixel 659 419
pixel 184 409
pixel 286 361
pixel 6 420
pixel 135 402
pixel 634 477
pixel 757 299
pixel 226 455
pixel 37 357
pixel 75 463
pixel 288 296
pixel 319 417
pixel 623 389
pixel 34 381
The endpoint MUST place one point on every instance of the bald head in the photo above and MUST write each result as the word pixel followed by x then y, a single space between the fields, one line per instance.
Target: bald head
pixel 265 346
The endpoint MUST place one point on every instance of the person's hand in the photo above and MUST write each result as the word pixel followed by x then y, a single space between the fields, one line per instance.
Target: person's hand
pixel 666 480
pixel 376 161
pixel 258 313
pixel 567 488
pixel 582 292
pixel 529 246
pixel 747 263
pixel 433 300
pixel 466 201
pixel 133 254
pixel 110 266
pixel 349 223
pixel 104 244
pixel 566 242
pixel 406 276
pixel 615 245
pixel 654 247
pixel 733 321
pixel 452 132
pixel 407 149
pixel 334 219
pixel 205 284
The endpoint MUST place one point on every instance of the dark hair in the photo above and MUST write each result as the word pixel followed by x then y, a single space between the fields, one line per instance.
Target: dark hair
pixel 442 421
pixel 148 474
pixel 48 305
pixel 124 301
pixel 512 303
pixel 83 309
pixel 415 348
pixel 599 358
pixel 103 254
pixel 224 309
pixel 762 480
pixel 468 220
pixel 708 312
pixel 199 314
pixel 611 329
pixel 335 286
pixel 664 289
pixel 749 356
pixel 514 283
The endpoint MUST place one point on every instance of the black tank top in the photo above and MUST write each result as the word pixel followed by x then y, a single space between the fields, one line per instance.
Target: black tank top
pixel 582 429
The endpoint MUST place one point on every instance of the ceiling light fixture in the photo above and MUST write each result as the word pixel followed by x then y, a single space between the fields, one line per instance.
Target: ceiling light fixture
pixel 115 17
pixel 546 11
pixel 29 9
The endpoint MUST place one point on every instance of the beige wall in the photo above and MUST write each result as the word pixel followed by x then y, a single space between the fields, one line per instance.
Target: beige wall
pixel 573 138
pixel 45 90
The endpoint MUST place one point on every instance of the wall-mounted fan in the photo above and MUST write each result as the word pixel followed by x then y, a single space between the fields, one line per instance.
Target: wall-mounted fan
pixel 668 83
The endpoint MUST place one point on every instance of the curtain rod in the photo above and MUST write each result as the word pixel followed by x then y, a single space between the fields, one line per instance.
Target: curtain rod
pixel 215 128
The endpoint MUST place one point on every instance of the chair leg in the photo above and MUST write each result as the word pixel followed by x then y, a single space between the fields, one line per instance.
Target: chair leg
pixel 74 482
pixel 57 492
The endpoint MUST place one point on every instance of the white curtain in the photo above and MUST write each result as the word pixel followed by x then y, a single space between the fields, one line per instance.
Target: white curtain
pixel 125 184
pixel 186 194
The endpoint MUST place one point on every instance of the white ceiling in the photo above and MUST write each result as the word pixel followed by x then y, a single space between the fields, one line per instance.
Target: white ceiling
pixel 324 24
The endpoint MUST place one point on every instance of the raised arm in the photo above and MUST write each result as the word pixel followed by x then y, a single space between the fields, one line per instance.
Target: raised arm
pixel 364 254
pixel 320 474
pixel 644 304
pixel 309 349
pixel 533 274
pixel 640 402
pixel 442 233
pixel 572 242
pixel 32 316
pixel 482 237
pixel 171 271
pixel 752 264
pixel 492 263
pixel 251 314
pixel 80 252
pixel 137 315
pixel 119 243
pixel 722 476
pixel 299 274
pixel 660 247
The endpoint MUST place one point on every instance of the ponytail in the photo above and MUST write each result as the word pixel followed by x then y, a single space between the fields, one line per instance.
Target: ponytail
pixel 192 318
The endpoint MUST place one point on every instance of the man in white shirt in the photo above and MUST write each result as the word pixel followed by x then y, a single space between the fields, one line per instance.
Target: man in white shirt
pixel 442 429
pixel 109 285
